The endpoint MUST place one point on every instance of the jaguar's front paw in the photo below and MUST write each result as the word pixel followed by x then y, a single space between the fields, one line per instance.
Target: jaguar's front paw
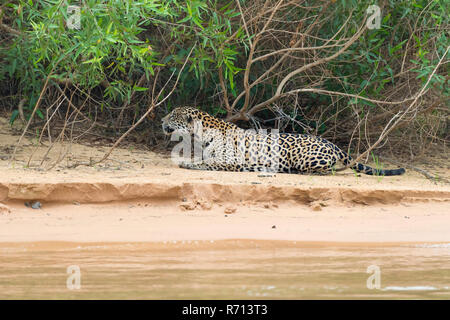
pixel 191 165
pixel 185 164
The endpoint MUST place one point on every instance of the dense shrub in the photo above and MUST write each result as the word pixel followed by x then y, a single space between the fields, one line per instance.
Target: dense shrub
pixel 127 52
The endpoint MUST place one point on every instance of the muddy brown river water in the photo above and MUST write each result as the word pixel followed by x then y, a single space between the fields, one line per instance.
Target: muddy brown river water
pixel 228 269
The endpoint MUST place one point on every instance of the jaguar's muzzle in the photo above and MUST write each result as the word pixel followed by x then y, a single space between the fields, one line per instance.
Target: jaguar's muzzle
pixel 166 129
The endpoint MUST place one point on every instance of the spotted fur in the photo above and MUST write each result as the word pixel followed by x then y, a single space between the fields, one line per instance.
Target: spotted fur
pixel 230 148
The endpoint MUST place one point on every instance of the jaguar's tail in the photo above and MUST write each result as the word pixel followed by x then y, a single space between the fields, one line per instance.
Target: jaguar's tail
pixel 359 167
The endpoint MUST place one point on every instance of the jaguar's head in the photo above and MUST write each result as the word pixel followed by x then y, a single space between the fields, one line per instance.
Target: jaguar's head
pixel 191 121
pixel 182 120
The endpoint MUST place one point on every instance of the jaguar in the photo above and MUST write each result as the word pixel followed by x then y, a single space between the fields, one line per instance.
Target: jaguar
pixel 227 147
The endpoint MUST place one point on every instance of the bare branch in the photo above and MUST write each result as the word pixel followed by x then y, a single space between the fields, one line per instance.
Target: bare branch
pixel 320 61
pixel 280 87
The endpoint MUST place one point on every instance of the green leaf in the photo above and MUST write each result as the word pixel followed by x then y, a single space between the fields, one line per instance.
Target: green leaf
pixel 93 60
pixel 13 118
pixel 135 88
pixel 39 113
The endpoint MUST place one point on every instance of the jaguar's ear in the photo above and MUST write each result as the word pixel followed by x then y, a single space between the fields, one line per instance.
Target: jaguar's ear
pixel 189 118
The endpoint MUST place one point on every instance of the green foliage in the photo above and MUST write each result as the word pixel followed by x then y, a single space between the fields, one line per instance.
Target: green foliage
pixel 122 40
pixel 117 44
pixel 379 54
